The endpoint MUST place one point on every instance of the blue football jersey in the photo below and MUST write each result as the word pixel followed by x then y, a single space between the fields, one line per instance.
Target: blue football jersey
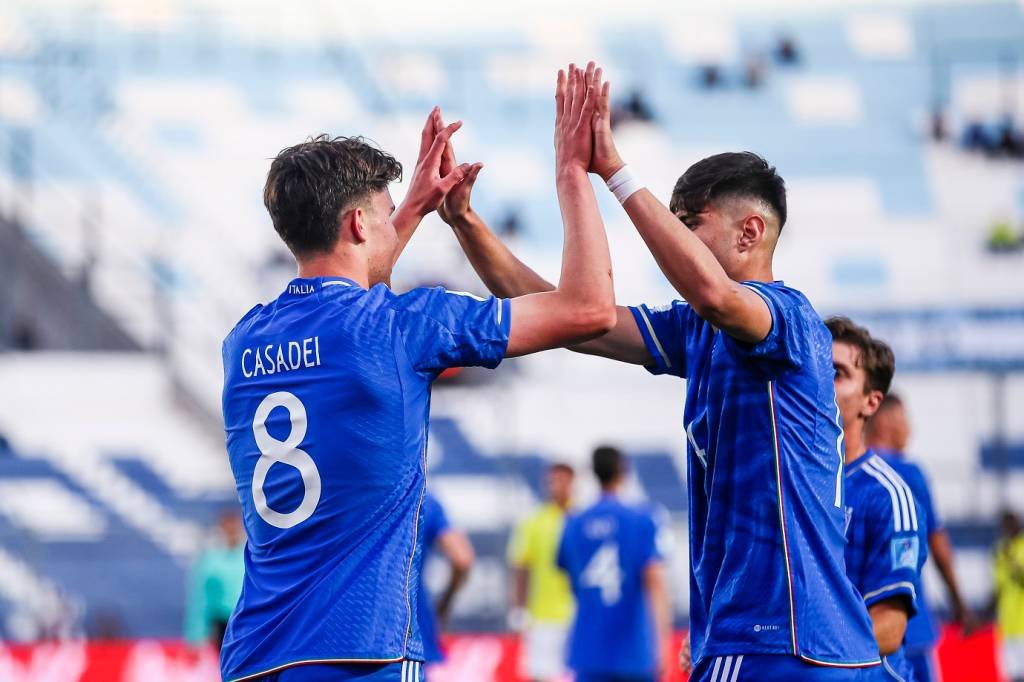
pixel 765 471
pixel 887 542
pixel 605 550
pixel 922 630
pixel 435 522
pixel 326 401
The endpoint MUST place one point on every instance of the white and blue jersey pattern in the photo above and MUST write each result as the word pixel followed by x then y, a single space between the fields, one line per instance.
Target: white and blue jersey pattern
pixel 326 401
pixel 887 541
pixel 765 466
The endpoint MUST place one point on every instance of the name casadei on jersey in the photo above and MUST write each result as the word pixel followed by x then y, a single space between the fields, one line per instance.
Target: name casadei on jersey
pixel 275 358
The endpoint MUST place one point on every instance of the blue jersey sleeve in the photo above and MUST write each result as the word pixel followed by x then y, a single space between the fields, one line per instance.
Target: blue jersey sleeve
pixel 445 329
pixel 918 483
pixel 650 552
pixel 664 332
pixel 435 521
pixel 788 343
pixel 893 555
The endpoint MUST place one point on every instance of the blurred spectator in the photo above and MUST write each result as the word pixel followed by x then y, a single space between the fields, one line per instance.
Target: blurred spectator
pixel 453 544
pixel 1010 140
pixel 888 434
pixel 1009 582
pixel 754 72
pixel 786 50
pixel 542 602
pixel 710 76
pixel 633 108
pixel 1003 239
pixel 510 225
pixel 938 129
pixel 216 583
pixel 976 137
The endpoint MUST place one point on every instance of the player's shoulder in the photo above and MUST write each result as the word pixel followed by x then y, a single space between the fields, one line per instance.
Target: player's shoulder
pixel 243 323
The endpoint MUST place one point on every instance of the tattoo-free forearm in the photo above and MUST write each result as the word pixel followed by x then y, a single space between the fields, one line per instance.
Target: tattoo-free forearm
pixel 502 273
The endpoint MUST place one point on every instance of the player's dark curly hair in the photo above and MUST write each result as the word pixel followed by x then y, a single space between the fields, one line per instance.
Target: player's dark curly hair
pixel 732 174
pixel 875 357
pixel 311 184
pixel 609 463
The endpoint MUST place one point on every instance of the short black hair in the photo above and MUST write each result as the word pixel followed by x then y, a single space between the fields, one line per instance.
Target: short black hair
pixel 876 357
pixel 310 184
pixel 732 174
pixel 609 464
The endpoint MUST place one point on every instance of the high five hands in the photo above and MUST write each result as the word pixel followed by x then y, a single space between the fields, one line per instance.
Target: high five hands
pixel 583 139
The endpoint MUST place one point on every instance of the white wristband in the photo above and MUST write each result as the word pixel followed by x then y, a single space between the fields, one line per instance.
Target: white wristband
pixel 623 184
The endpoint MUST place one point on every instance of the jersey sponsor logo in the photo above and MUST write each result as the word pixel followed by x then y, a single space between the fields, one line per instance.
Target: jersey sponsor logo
pixel 766 628
pixel 904 552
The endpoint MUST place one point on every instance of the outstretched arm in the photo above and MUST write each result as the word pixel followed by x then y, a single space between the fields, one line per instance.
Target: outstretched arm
pixel 428 185
pixel 582 306
pixel 508 277
pixel 688 264
pixel 456 548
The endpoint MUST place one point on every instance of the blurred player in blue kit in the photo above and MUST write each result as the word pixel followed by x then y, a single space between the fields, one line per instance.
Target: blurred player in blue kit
pixel 888 434
pixel 623 615
pixel 886 531
pixel 327 391
pixel 769 595
pixel 438 536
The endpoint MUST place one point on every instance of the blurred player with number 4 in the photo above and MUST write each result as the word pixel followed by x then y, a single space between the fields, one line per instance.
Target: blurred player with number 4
pixel 327 393
pixel 623 615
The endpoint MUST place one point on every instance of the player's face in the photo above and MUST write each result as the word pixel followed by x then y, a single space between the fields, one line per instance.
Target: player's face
pixel 382 236
pixel 851 382
pixel 559 484
pixel 718 231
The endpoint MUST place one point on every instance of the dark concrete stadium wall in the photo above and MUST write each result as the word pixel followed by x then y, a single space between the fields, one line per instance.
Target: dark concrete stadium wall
pixel 41 309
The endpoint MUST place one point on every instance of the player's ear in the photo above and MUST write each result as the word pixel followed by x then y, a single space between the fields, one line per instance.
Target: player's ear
pixel 354 224
pixel 752 231
pixel 871 404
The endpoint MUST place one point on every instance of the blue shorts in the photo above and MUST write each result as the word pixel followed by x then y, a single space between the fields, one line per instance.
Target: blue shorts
pixel 402 671
pixel 612 677
pixel 779 668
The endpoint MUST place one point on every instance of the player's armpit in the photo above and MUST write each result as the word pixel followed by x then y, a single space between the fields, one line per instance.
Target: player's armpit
pixel 889 621
pixel 623 343
pixel 553 320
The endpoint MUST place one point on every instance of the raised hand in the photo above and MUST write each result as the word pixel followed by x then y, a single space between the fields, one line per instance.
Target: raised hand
pixel 429 185
pixel 456 204
pixel 606 160
pixel 575 102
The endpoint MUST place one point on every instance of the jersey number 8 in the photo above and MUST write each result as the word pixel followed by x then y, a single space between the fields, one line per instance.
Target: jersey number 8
pixel 284 452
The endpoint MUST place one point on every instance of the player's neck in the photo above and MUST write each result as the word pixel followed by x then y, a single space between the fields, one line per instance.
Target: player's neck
pixel 335 264
pixel 754 272
pixel 854 442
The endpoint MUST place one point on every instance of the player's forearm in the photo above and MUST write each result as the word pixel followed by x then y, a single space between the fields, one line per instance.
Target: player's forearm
pixel 520 587
pixel 889 623
pixel 405 219
pixel 687 263
pixel 502 273
pixel 942 552
pixel 455 582
pixel 586 277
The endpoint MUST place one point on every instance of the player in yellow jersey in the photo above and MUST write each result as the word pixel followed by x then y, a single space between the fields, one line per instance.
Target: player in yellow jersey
pixel 542 602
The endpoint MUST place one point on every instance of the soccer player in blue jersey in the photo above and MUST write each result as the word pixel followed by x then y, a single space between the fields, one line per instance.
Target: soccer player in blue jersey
pixel 327 389
pixel 439 536
pixel 887 543
pixel 769 596
pixel 610 552
pixel 888 434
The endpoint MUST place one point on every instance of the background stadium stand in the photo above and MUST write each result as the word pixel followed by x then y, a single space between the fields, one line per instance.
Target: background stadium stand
pixel 133 149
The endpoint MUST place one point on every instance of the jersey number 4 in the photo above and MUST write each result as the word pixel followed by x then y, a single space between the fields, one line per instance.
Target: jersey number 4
pixel 604 572
pixel 284 452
